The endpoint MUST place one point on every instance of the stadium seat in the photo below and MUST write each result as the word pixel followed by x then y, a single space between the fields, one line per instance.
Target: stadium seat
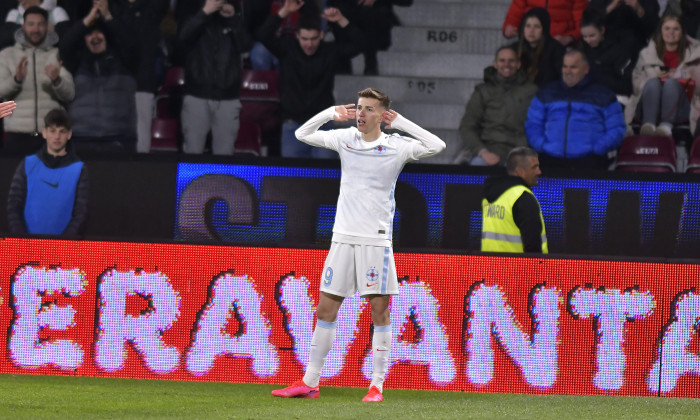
pixel 260 103
pixel 694 158
pixel 165 134
pixel 174 78
pixel 646 154
pixel 249 139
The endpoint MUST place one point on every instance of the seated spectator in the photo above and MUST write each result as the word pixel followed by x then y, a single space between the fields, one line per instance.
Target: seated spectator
pixel 142 19
pixel 32 76
pixel 493 122
pixel 97 50
pixel 49 191
pixel 213 40
pixel 307 71
pixel 565 17
pixel 660 79
pixel 628 22
pixel 689 11
pixel 540 55
pixel 375 18
pixel 574 122
pixel 611 63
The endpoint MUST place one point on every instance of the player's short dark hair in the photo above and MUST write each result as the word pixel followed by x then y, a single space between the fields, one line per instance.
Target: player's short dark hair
pixel 36 10
pixel 373 93
pixel 58 118
pixel 309 22
pixel 517 157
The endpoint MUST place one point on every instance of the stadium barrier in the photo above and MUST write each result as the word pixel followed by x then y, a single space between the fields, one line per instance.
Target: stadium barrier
pixel 245 314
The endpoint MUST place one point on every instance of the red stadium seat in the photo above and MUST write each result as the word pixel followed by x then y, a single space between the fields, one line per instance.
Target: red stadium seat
pixel 249 139
pixel 694 158
pixel 165 134
pixel 260 101
pixel 646 154
pixel 260 85
pixel 174 78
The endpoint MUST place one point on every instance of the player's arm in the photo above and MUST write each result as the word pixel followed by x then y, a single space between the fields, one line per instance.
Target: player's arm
pixel 428 143
pixel 309 134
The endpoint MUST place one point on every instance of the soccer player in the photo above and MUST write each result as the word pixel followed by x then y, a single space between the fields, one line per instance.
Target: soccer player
pixel 361 257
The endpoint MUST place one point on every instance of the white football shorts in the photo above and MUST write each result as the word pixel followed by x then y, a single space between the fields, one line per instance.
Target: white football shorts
pixel 365 268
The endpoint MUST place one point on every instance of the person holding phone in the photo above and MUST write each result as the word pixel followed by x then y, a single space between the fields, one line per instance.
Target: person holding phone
pixel 662 87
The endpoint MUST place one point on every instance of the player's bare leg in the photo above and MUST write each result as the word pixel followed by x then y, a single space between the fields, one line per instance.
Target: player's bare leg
pixel 381 345
pixel 321 342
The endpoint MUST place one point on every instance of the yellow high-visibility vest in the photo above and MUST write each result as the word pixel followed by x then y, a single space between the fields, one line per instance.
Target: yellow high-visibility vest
pixel 499 233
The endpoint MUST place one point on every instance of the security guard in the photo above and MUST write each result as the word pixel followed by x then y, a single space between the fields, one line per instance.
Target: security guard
pixel 512 219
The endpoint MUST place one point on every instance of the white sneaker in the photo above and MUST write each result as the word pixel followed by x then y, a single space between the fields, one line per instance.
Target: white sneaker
pixel 664 130
pixel 648 129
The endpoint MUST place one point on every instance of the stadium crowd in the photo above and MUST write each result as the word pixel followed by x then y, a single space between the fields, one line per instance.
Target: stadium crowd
pixel 181 73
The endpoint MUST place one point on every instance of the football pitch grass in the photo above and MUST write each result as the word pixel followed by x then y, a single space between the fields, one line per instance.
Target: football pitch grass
pixel 40 397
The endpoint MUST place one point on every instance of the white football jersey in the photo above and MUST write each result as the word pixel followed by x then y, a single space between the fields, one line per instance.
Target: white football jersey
pixel 369 170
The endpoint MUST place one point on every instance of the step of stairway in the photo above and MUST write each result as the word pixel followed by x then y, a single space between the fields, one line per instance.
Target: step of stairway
pixel 446 40
pixel 407 89
pixel 445 65
pixel 453 15
pixel 432 116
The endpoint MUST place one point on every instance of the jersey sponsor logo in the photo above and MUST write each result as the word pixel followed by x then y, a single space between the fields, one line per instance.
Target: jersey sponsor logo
pixel 380 150
pixel 50 184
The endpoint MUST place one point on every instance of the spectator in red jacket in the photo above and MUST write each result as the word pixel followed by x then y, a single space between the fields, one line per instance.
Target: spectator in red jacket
pixel 565 16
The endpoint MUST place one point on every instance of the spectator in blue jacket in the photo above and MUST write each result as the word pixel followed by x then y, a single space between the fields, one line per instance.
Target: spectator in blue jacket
pixel 575 122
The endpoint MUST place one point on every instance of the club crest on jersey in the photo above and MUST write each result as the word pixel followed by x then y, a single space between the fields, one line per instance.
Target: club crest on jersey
pixel 380 150
pixel 372 275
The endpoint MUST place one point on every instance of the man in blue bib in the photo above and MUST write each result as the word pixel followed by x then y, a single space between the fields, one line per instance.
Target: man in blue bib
pixel 49 191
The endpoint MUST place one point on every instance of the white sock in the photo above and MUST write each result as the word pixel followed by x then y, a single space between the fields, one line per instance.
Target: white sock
pixel 321 343
pixel 381 347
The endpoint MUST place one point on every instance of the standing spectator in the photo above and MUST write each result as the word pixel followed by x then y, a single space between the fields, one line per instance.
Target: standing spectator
pixel 574 122
pixel 32 75
pixel 540 55
pixel 660 99
pixel 58 19
pixel 375 18
pixel 494 119
pixel 142 18
pixel 49 191
pixel 511 215
pixel 97 50
pixel 628 22
pixel 213 39
pixel 565 14
pixel 611 63
pixel 307 71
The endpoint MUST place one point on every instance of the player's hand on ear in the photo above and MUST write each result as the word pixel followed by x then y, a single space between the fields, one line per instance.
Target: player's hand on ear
pixel 389 116
pixel 344 112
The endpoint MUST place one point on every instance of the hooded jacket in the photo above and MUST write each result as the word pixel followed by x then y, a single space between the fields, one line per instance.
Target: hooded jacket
pixel 495 114
pixel 549 61
pixel 36 95
pixel 526 210
pixel 649 67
